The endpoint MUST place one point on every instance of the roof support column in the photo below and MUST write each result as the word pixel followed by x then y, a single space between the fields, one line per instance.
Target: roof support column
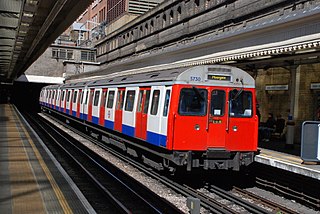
pixel 294 89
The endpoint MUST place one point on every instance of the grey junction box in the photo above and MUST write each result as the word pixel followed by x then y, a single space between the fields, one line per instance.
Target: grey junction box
pixel 310 141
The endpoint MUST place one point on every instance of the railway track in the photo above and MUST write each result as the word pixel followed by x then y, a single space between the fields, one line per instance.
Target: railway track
pixel 234 204
pixel 120 193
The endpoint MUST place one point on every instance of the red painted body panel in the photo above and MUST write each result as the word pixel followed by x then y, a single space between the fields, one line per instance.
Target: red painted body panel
pixel 78 104
pixel 102 107
pixel 71 102
pixel 118 111
pixel 90 105
pixel 65 102
pixel 141 116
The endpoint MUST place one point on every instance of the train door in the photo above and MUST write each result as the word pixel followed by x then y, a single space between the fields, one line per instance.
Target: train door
pixel 63 97
pixel 217 121
pixel 95 106
pixel 157 117
pixel 74 102
pixel 103 106
pixel 190 121
pixel 85 101
pixel 142 112
pixel 90 103
pixel 110 109
pixel 118 111
pixel 70 101
pixel 78 103
pixel 129 115
pixel 241 118
pixel 65 100
pixel 165 106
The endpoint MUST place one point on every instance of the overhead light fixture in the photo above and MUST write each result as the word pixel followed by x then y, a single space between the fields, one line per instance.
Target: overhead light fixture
pixel 27 14
pixel 25 24
pixel 34 2
pixel 306 51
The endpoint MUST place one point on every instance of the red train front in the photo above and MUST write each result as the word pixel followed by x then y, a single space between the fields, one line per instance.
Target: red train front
pixel 192 117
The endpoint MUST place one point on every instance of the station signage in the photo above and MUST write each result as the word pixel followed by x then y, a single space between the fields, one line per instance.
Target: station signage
pixel 277 87
pixel 315 86
pixel 219 77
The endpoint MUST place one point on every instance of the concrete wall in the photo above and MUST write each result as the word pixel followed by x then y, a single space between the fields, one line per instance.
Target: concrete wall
pixel 278 102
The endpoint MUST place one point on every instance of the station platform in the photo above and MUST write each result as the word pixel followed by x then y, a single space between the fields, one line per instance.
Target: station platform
pixel 31 180
pixel 276 154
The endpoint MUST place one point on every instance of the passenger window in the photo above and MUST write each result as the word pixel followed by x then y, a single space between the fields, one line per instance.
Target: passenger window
pixel 120 100
pixel 218 99
pixel 96 98
pixel 68 96
pixel 104 98
pixel 240 103
pixel 155 102
pixel 166 103
pixel 63 93
pixel 193 102
pixel 139 109
pixel 146 103
pixel 130 100
pixel 110 99
pixel 87 95
pixel 75 96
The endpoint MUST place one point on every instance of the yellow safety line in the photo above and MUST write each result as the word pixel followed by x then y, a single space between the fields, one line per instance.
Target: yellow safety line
pixel 62 200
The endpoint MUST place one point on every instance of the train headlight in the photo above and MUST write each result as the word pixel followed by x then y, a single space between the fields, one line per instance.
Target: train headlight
pixel 197 127
pixel 235 128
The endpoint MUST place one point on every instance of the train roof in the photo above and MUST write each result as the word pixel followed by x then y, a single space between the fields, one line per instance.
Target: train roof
pixel 222 75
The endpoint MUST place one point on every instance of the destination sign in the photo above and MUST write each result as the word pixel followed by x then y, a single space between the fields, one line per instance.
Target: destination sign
pixel 219 77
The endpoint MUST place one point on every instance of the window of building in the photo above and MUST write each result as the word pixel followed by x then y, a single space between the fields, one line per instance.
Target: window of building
pixel 110 99
pixel 96 98
pixel 179 13
pixel 130 100
pixel 88 56
pixel 155 102
pixel 59 53
pixel 171 17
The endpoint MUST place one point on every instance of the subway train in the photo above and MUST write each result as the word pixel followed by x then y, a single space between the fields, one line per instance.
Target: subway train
pixel 189 117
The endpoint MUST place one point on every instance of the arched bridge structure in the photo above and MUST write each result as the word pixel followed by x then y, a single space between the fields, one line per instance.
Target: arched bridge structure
pixel 250 34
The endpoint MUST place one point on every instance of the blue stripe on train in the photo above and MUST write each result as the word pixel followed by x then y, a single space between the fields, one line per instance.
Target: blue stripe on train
pixel 109 124
pixel 74 113
pixel 156 139
pixel 128 130
pixel 95 120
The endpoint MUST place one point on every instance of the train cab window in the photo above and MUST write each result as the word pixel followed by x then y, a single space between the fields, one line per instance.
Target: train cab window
pixel 155 102
pixel 110 99
pixel 240 103
pixel 96 98
pixel 130 100
pixel 120 99
pixel 75 96
pixel 218 99
pixel 166 103
pixel 193 102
